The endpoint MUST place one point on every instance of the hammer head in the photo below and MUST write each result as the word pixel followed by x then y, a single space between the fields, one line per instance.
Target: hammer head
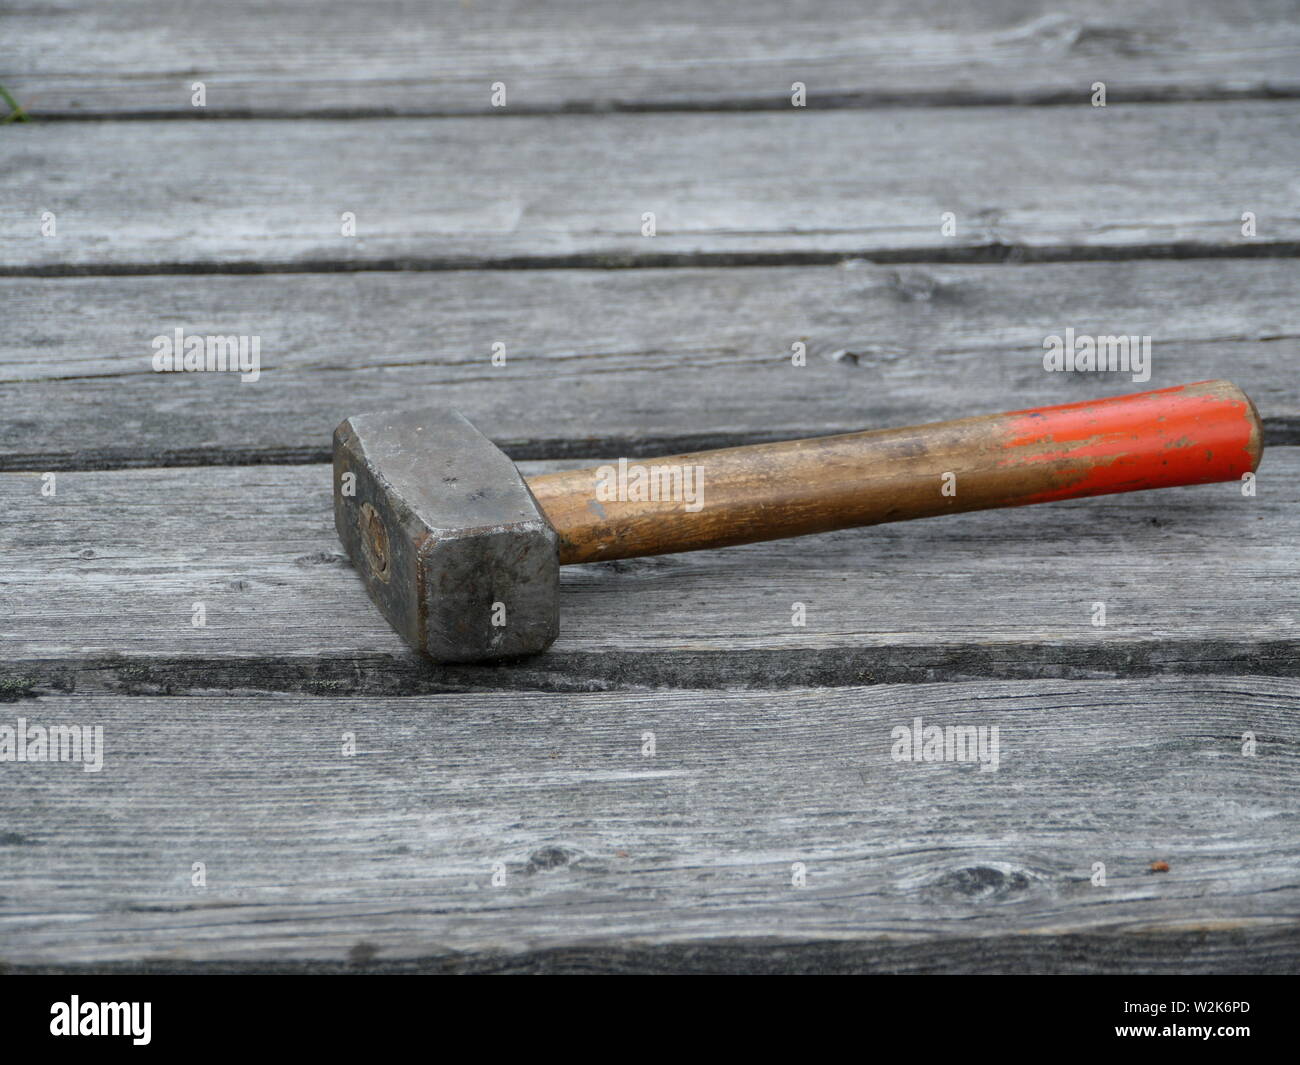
pixel 453 548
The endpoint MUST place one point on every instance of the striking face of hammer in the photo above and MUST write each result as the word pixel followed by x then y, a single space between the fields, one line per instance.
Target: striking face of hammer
pixel 462 555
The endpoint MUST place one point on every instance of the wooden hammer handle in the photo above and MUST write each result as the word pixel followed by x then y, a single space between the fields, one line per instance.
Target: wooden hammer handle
pixel 1192 434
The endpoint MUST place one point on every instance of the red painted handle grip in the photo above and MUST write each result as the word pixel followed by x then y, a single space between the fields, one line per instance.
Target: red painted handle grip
pixel 1190 434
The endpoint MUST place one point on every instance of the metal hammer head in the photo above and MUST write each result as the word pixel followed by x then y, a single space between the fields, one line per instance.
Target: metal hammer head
pixel 452 546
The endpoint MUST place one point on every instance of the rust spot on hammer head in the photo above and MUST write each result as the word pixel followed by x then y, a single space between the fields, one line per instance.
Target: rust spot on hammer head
pixel 374 542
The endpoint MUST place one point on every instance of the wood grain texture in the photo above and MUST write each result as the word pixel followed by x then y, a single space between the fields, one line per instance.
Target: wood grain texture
pixel 637 362
pixel 680 860
pixel 101 580
pixel 572 190
pixel 1119 744
pixel 299 57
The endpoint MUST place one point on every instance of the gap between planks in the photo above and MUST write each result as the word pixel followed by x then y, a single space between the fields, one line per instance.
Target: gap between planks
pixel 990 253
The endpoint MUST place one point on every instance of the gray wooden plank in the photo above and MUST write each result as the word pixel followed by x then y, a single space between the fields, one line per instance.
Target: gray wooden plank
pixel 101 580
pixel 613 362
pixel 396 57
pixel 387 857
pixel 1063 182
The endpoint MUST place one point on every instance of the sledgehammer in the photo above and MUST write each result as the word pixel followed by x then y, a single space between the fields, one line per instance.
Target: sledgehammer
pixel 462 554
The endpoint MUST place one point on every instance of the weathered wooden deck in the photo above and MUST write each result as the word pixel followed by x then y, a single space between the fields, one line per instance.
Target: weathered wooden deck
pixel 1120 745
